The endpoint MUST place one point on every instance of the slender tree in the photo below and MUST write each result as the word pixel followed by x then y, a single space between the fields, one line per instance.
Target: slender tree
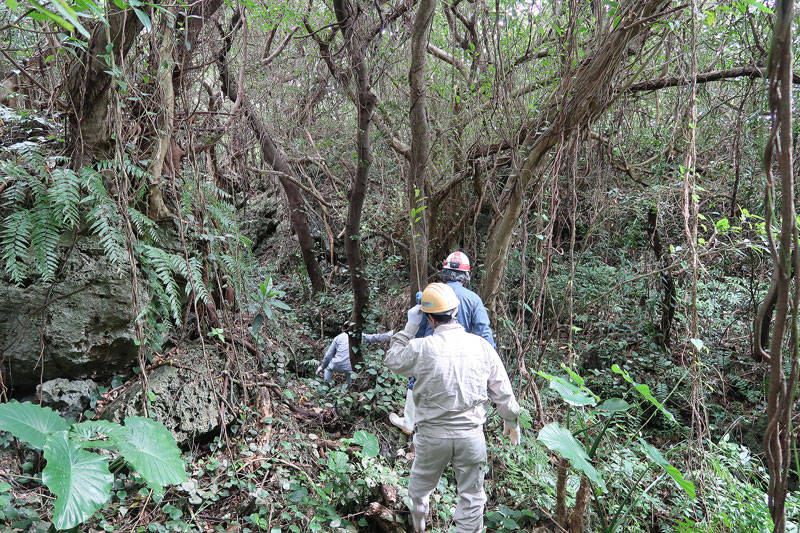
pixel 365 102
pixel 418 187
pixel 785 258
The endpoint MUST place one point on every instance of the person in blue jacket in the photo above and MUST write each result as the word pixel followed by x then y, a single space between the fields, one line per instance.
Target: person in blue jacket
pixel 471 315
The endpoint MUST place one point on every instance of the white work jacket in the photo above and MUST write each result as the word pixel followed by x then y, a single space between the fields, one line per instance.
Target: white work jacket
pixel 457 373
pixel 338 355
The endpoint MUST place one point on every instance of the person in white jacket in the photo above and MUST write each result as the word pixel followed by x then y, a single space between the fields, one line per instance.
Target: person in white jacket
pixel 337 358
pixel 457 374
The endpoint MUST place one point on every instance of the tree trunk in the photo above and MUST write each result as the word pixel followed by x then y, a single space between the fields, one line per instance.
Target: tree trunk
pixel 166 62
pixel 352 243
pixel 273 156
pixel 418 188
pixel 579 100
pixel 88 83
pixel 781 393
pixel 669 297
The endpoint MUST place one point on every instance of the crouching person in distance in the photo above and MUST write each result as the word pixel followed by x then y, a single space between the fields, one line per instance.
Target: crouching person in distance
pixel 457 373
pixel 337 358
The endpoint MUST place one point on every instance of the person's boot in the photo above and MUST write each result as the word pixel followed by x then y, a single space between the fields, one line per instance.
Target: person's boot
pixel 406 423
pixel 419 522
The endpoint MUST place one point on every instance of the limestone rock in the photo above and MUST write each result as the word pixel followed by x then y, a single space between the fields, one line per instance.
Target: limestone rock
pixel 69 398
pixel 88 323
pixel 183 398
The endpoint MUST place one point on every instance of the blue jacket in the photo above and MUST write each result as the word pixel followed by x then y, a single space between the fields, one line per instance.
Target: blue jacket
pixel 471 315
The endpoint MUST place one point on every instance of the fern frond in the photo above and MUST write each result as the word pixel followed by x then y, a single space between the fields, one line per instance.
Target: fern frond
pixel 44 240
pixel 161 264
pixel 144 225
pixel 65 193
pixel 199 286
pixel 14 239
pixel 106 221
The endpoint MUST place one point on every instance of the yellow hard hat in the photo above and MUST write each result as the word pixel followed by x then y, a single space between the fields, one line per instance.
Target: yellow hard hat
pixel 438 298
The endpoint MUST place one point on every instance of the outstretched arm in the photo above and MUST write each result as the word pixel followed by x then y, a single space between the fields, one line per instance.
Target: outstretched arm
pixel 500 391
pixel 401 356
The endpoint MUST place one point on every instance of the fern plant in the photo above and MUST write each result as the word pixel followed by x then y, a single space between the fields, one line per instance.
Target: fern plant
pixel 167 267
pixel 43 203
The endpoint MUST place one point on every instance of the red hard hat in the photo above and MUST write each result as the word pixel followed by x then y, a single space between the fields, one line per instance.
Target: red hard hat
pixel 457 261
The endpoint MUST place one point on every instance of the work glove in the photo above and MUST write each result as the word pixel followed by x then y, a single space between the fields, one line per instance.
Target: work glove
pixel 415 315
pixel 319 371
pixel 512 431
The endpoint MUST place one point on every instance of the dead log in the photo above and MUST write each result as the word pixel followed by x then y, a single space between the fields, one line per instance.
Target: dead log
pixel 384 519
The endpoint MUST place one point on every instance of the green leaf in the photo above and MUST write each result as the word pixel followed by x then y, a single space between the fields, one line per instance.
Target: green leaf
pixel 152 451
pixel 644 390
pixel 144 18
pixel 561 441
pixel 579 381
pixel 79 479
pixel 30 423
pixel 97 434
pixel 280 305
pixel 298 495
pixel 673 472
pixel 338 462
pixel 614 405
pixel 368 443
pixel 47 14
pixel 68 13
pixel 570 393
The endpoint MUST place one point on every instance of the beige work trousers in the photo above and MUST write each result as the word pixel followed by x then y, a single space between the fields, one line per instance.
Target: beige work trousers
pixel 468 457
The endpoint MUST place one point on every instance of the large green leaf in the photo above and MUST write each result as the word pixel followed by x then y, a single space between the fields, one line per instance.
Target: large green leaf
pixel 570 393
pixel 152 451
pixel 368 443
pixel 614 405
pixel 97 434
pixel 644 390
pixel 560 440
pixel 79 479
pixel 30 423
pixel 673 472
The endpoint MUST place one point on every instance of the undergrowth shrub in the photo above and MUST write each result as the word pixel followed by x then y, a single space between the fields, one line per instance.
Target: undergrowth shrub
pixel 81 479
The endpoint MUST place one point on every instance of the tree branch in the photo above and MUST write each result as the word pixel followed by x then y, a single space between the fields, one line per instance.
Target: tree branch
pixel 447 58
pixel 750 71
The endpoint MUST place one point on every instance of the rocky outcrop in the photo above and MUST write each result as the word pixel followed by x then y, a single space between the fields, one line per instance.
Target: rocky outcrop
pixel 181 397
pixel 80 327
pixel 68 398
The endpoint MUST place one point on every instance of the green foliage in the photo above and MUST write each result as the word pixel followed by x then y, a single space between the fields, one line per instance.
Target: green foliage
pixel 149 447
pixel 560 440
pixel 594 425
pixel 45 203
pixel 106 220
pixel 30 423
pixel 81 480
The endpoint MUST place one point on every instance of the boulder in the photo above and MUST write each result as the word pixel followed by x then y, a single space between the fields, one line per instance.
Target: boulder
pixel 181 397
pixel 68 398
pixel 78 328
